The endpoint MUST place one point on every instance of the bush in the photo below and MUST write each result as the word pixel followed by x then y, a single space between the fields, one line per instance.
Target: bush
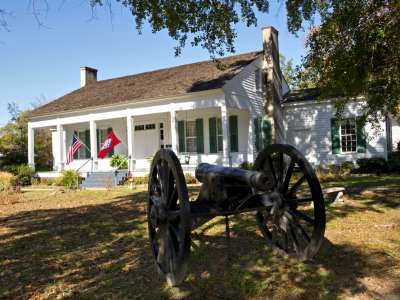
pixel 347 167
pixel 69 179
pixel 13 169
pixel 24 175
pixel 141 180
pixel 190 179
pixel 6 181
pixel 119 161
pixel 246 165
pixel 394 162
pixel 372 165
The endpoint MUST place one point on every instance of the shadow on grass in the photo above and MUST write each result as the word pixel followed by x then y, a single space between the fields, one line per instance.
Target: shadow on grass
pixel 102 251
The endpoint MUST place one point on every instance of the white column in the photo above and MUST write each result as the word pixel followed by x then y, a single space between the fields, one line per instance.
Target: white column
pixel 31 146
pixel 174 136
pixel 225 135
pixel 93 144
pixel 60 139
pixel 130 140
pixel 250 148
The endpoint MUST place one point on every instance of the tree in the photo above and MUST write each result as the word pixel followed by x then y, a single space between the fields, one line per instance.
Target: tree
pixel 13 140
pixel 296 77
pixel 354 50
pixel 210 23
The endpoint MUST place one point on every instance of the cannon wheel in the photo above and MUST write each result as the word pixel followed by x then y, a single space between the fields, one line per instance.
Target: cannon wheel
pixel 168 216
pixel 295 224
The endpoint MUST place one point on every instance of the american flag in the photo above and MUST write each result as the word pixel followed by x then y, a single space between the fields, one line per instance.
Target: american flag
pixel 76 144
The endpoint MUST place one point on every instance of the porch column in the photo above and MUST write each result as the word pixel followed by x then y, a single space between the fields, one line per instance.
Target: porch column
pixel 225 136
pixel 130 141
pixel 31 147
pixel 173 131
pixel 250 148
pixel 93 144
pixel 60 139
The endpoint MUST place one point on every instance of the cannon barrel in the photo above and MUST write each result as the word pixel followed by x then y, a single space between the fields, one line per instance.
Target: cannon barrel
pixel 205 171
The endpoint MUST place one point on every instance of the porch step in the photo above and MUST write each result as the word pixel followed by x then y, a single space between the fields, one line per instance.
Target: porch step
pixel 105 179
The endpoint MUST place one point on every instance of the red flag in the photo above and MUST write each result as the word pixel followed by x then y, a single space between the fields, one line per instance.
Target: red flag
pixel 109 144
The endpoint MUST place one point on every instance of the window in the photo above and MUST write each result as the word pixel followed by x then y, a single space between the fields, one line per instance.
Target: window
pixel 190 136
pixel 139 127
pixel 219 135
pixel 150 126
pixel 348 135
pixel 83 152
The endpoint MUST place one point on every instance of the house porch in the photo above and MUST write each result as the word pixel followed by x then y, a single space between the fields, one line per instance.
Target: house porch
pixel 197 133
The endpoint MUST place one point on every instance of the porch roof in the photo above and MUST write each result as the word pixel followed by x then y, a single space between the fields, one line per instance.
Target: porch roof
pixel 169 82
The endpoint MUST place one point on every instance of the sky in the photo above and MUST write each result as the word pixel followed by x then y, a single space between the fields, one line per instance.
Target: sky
pixel 41 63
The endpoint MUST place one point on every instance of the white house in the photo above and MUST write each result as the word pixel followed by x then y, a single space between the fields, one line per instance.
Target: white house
pixel 204 113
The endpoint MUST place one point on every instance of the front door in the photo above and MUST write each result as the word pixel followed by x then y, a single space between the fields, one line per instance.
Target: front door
pixel 146 140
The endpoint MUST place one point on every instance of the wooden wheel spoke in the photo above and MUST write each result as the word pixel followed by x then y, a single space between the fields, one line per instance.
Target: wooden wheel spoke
pixel 288 176
pixel 281 167
pixel 175 232
pixel 299 230
pixel 304 217
pixel 162 248
pixel 173 215
pixel 296 186
pixel 270 170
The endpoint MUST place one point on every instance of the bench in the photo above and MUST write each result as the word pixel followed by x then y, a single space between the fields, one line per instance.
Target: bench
pixel 334 193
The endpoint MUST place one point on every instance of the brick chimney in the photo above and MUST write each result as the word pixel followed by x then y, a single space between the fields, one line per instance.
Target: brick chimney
pixel 273 81
pixel 88 76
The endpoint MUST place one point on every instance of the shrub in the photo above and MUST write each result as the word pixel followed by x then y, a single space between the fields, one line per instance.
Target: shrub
pixel 394 162
pixel 69 179
pixel 141 180
pixel 6 181
pixel 13 169
pixel 24 175
pixel 372 165
pixel 119 161
pixel 190 179
pixel 347 167
pixel 246 165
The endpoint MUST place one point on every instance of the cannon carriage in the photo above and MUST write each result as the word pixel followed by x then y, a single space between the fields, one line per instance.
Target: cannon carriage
pixel 282 190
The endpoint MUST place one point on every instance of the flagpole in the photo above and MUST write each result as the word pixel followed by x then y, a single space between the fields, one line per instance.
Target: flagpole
pixel 83 144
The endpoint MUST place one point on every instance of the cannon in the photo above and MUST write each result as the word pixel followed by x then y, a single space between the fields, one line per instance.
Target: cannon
pixel 281 189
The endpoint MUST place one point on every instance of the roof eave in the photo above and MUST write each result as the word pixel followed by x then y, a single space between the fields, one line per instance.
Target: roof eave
pixel 128 104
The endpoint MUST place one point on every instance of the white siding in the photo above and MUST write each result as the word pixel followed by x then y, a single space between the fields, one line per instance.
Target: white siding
pixel 395 134
pixel 308 128
pixel 242 91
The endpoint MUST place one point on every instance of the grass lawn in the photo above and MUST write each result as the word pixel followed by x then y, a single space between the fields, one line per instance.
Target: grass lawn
pixel 87 244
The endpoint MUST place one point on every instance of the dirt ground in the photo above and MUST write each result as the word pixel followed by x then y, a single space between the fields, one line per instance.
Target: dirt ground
pixel 94 245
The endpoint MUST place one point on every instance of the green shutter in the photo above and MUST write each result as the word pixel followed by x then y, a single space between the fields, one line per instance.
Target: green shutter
pixel 233 133
pixel 266 127
pixel 87 142
pixel 257 134
pixel 212 126
pixel 199 136
pixel 181 135
pixel 111 153
pixel 361 136
pixel 335 136
pixel 76 153
pixel 98 140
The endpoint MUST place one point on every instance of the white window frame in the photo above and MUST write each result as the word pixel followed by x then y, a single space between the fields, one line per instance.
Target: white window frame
pixel 344 122
pixel 219 134
pixel 190 137
pixel 81 153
